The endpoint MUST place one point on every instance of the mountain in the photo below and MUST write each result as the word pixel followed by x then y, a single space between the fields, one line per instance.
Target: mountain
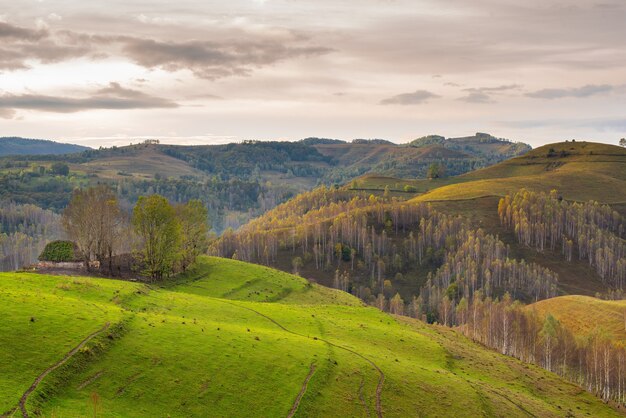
pixel 236 181
pixel 23 146
pixel 234 339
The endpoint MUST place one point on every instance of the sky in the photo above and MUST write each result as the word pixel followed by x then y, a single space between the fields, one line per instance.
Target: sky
pixel 104 73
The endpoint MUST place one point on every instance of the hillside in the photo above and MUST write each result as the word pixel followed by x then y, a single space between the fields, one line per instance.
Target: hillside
pixel 584 315
pixel 480 144
pixel 383 235
pixel 23 146
pixel 236 181
pixel 579 170
pixel 232 339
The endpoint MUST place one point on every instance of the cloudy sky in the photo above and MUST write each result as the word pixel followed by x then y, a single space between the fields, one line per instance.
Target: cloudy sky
pixel 109 72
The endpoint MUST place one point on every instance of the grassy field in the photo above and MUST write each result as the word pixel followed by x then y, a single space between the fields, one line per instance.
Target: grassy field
pixel 234 339
pixel 580 171
pixel 584 315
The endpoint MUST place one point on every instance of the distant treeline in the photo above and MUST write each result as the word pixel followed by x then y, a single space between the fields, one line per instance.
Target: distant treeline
pixel 24 232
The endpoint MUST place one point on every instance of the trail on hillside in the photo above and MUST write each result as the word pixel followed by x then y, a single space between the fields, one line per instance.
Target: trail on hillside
pixel 296 403
pixel 381 374
pixel 70 354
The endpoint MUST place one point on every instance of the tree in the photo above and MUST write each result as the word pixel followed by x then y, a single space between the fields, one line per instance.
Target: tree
pixel 193 218
pixel 93 219
pixel 622 142
pixel 155 221
pixel 60 169
pixel 436 171
pixel 396 305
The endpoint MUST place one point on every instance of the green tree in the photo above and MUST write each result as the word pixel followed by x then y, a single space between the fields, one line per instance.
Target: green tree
pixel 194 222
pixel 436 171
pixel 60 169
pixel 622 142
pixel 155 221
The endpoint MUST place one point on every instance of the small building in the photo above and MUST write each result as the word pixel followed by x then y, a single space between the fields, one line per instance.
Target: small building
pixel 63 255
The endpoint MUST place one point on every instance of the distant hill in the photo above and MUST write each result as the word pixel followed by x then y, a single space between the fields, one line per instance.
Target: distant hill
pixel 479 145
pixel 25 146
pixel 236 181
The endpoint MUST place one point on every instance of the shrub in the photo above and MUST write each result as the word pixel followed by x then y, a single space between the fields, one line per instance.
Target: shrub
pixel 60 251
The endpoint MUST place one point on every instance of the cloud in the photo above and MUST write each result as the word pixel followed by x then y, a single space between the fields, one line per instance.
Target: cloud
pixel 417 97
pixel 7 113
pixel 224 55
pixel 213 60
pixel 484 94
pixel 113 97
pixel 476 97
pixel 580 92
pixel 11 32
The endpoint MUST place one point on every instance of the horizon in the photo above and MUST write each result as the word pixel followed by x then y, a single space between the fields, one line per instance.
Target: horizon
pixel 117 142
pixel 104 75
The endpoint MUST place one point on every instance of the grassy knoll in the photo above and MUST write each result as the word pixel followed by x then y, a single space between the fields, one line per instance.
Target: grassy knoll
pixel 580 171
pixel 234 339
pixel 584 315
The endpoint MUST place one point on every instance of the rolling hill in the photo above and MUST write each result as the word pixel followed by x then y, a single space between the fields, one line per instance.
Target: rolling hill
pixel 24 146
pixel 236 181
pixel 233 339
pixel 584 315
pixel 579 170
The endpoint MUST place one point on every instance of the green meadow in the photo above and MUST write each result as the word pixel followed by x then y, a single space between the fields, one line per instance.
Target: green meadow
pixel 235 339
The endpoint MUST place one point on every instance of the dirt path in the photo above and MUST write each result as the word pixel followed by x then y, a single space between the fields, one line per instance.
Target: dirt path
pixel 362 398
pixel 381 374
pixel 39 379
pixel 294 408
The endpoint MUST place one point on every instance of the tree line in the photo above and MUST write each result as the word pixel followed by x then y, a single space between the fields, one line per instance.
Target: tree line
pixel 595 361
pixel 164 238
pixel 24 231
pixel 372 243
pixel 592 231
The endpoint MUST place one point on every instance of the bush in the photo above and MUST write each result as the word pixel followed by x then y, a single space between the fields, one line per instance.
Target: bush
pixel 60 251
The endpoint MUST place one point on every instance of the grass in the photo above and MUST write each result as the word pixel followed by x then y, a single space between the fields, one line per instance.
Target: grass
pixel 234 339
pixel 580 171
pixel 584 315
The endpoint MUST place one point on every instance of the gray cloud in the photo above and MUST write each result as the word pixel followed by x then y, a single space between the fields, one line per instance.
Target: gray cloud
pixel 476 97
pixel 580 92
pixel 484 94
pixel 8 31
pixel 417 97
pixel 212 60
pixel 205 59
pixel 113 97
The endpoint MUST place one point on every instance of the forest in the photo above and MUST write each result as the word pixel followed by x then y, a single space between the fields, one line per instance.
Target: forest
pixel 589 230
pixel 24 232
pixel 381 246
